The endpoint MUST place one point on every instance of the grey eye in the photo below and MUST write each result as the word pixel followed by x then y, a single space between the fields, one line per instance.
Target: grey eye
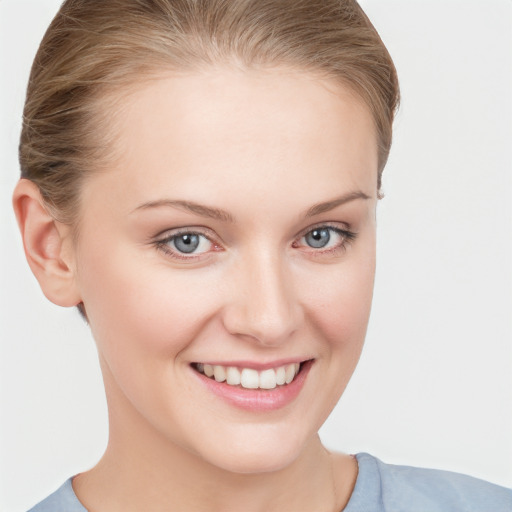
pixel 186 243
pixel 318 238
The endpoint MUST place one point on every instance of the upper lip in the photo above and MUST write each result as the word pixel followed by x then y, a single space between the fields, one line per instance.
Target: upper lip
pixel 260 366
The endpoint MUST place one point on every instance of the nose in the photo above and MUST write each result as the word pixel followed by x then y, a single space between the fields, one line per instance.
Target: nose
pixel 262 303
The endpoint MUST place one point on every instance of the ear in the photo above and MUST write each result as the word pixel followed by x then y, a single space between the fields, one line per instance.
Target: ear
pixel 48 245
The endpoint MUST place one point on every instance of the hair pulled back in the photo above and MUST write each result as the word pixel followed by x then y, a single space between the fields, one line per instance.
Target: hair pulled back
pixel 94 50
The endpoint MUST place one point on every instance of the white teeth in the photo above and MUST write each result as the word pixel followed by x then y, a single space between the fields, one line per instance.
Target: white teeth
pixel 233 376
pixel 280 376
pixel 268 379
pixel 219 373
pixel 289 373
pixel 250 378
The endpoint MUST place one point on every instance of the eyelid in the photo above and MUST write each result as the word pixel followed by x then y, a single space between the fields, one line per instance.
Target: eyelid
pixel 342 227
pixel 195 230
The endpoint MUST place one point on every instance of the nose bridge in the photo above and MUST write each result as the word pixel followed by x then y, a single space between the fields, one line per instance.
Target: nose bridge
pixel 264 304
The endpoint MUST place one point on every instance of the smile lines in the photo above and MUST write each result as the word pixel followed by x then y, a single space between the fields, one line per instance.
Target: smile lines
pixel 248 377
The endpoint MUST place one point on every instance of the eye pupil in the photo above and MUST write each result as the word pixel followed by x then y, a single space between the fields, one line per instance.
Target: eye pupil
pixel 186 243
pixel 318 238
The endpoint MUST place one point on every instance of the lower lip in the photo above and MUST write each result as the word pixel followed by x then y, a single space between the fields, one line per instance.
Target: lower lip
pixel 258 400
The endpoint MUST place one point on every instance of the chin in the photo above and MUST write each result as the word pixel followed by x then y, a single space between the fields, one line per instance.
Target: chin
pixel 259 453
pixel 247 464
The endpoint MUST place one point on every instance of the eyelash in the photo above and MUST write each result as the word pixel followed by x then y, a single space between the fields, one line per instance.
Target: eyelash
pixel 347 238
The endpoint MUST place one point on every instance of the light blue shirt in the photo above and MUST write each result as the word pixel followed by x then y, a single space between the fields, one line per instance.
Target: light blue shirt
pixel 379 488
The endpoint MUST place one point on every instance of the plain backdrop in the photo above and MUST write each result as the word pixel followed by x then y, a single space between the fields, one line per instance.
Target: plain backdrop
pixel 434 385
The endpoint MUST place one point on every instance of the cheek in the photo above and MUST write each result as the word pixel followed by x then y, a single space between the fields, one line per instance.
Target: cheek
pixel 340 303
pixel 145 311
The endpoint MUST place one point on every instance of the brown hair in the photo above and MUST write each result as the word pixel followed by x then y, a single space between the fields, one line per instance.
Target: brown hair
pixel 96 49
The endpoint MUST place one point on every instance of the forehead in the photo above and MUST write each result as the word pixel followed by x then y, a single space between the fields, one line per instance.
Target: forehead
pixel 244 130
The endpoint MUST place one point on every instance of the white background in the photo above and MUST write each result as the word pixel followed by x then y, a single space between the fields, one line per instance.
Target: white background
pixel 434 386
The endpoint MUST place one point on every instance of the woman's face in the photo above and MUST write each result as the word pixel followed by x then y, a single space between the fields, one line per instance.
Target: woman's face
pixel 235 234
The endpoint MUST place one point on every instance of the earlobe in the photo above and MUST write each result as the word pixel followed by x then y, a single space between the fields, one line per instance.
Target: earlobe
pixel 47 245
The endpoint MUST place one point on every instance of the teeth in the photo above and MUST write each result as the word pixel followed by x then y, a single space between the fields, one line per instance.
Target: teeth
pixel 280 376
pixel 268 379
pixel 290 372
pixel 208 370
pixel 249 378
pixel 219 373
pixel 233 376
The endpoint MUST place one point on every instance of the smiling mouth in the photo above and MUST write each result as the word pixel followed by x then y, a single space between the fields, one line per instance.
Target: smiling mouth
pixel 249 378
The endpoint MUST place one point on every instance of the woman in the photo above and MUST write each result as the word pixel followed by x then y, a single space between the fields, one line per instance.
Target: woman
pixel 201 181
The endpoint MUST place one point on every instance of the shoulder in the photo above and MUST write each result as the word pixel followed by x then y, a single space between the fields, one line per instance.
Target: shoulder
pixel 386 487
pixel 62 500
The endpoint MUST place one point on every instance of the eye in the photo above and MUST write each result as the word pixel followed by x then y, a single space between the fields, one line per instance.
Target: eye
pixel 325 239
pixel 318 238
pixel 186 244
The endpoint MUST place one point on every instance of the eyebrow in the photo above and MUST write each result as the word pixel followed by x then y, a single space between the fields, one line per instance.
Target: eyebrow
pixel 222 215
pixel 334 203
pixel 199 209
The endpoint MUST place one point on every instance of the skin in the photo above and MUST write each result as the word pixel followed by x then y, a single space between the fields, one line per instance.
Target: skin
pixel 265 147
